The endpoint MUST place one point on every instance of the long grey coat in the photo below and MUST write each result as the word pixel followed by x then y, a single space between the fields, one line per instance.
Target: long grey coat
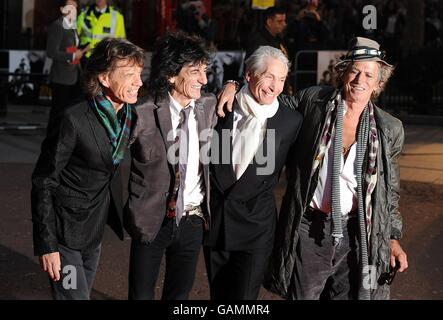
pixel 314 104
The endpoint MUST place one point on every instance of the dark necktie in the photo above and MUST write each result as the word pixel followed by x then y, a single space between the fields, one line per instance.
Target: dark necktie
pixel 176 203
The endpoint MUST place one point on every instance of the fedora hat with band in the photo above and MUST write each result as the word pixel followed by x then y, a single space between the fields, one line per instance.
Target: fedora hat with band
pixel 363 49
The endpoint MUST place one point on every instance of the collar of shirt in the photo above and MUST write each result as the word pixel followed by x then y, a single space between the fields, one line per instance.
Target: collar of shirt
pixel 101 10
pixel 176 108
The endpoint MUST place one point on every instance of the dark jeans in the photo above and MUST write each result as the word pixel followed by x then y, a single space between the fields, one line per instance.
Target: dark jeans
pixel 236 275
pixel 323 270
pixel 77 273
pixel 182 246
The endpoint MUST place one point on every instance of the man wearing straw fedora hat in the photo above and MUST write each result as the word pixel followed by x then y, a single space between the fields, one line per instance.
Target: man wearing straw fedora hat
pixel 339 225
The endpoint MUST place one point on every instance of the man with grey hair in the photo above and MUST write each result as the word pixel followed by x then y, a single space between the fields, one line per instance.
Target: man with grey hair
pixel 258 133
pixel 339 226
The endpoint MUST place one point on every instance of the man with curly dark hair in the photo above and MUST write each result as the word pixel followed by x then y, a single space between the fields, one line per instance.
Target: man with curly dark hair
pixel 167 209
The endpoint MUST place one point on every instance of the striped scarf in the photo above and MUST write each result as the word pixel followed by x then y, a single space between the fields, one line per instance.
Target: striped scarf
pixel 118 130
pixel 367 143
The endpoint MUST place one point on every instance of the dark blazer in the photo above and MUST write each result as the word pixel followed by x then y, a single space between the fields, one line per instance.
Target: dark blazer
pixel 244 212
pixel 76 188
pixel 152 177
pixel 59 38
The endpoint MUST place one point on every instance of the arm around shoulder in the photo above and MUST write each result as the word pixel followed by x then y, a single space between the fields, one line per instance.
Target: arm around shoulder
pixel 292 101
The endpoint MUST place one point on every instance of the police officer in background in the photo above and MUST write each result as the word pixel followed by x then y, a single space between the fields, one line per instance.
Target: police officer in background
pixel 97 22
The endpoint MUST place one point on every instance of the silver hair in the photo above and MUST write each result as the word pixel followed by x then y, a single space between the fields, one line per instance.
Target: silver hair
pixel 256 61
pixel 384 73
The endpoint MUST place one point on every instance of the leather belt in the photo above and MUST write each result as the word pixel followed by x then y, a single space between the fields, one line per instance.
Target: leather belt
pixel 189 210
pixel 193 210
pixel 312 212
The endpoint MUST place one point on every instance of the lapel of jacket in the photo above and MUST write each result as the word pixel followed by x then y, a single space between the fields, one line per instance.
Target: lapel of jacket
pixel 164 122
pixel 319 112
pixel 272 127
pixel 224 172
pixel 134 122
pixel 201 117
pixel 163 119
pixel 101 138
pixel 384 139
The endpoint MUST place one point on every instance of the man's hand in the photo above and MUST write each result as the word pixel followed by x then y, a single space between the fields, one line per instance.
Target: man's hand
pixel 226 96
pixel 397 253
pixel 50 263
pixel 78 54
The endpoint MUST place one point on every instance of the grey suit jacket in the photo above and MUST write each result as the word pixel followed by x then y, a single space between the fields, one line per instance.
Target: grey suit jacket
pixel 59 38
pixel 152 176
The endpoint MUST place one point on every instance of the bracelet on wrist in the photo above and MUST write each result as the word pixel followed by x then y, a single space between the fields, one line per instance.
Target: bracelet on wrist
pixel 237 85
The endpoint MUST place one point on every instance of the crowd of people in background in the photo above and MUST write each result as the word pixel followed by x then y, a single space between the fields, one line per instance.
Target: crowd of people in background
pixel 233 25
pixel 310 24
pixel 326 24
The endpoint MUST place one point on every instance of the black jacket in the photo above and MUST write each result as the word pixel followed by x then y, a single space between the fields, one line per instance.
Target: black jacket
pixel 76 188
pixel 243 212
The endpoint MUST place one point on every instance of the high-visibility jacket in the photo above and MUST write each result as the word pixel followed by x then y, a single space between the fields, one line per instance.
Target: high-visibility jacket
pixel 92 30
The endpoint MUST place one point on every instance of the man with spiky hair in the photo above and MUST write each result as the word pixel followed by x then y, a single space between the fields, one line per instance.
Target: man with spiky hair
pixel 167 209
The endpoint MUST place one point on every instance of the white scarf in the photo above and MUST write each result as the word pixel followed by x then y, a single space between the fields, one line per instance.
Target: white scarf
pixel 250 134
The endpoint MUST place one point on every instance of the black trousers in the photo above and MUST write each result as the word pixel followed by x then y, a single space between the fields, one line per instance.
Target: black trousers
pixel 181 245
pixel 236 275
pixel 62 97
pixel 322 270
pixel 78 269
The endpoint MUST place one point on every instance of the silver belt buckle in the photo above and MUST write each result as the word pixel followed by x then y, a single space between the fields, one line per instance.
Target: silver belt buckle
pixel 195 210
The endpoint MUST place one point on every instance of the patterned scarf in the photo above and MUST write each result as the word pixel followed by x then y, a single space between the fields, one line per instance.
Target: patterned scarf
pixel 371 170
pixel 367 142
pixel 118 130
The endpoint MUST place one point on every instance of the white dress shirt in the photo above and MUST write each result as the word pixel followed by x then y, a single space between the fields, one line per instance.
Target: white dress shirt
pixel 193 192
pixel 321 199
